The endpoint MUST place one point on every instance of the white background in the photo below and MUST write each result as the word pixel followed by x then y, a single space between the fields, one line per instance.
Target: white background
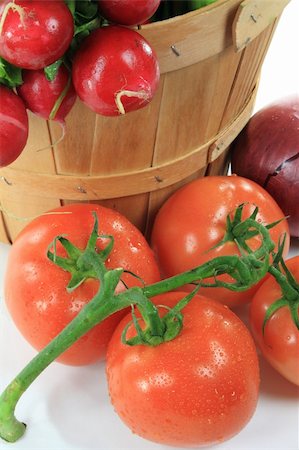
pixel 68 408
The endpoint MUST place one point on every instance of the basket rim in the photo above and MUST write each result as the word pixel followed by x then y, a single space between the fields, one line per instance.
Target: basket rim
pixel 172 20
pixel 195 36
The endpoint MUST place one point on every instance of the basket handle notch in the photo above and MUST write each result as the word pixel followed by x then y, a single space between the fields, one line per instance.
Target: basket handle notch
pixel 253 17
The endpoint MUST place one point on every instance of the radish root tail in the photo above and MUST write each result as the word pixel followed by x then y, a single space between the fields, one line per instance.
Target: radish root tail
pixel 124 93
pixel 15 8
pixel 60 139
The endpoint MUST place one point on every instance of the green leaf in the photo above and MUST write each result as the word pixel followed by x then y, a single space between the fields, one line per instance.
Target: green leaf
pixel 10 75
pixel 85 11
pixel 85 28
pixel 71 4
pixel 51 71
pixel 196 4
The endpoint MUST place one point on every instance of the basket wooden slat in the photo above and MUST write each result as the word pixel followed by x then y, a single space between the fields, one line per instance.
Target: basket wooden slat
pixel 20 206
pixel 252 18
pixel 134 162
pixel 80 187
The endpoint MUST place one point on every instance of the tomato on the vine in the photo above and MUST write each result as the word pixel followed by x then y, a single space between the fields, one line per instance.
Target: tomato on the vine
pixel 35 288
pixel 200 388
pixel 191 224
pixel 279 340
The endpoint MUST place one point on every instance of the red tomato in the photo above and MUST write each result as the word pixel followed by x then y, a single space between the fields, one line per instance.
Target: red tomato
pixel 280 342
pixel 35 288
pixel 34 34
pixel 201 388
pixel 193 220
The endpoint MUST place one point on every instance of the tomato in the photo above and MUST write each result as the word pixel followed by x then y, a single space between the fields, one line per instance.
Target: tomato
pixel 193 220
pixel 35 288
pixel 279 343
pixel 201 388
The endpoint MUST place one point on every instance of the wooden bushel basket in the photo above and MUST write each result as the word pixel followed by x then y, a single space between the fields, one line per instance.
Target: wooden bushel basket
pixel 210 60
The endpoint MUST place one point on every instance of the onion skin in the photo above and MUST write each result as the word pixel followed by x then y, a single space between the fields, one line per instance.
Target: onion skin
pixel 267 152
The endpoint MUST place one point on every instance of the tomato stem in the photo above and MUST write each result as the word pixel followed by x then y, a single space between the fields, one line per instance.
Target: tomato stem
pixel 245 271
pixel 290 293
pixel 94 312
pixel 240 231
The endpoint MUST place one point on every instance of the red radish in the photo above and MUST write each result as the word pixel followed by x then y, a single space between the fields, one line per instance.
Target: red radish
pixel 34 34
pixel 13 126
pixel 48 99
pixel 267 151
pixel 128 12
pixel 115 71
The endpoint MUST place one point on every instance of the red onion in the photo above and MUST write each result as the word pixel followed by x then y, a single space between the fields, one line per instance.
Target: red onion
pixel 267 151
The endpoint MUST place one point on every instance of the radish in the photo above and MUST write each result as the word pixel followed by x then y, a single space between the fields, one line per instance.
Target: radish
pixel 13 126
pixel 128 12
pixel 34 34
pixel 115 71
pixel 48 99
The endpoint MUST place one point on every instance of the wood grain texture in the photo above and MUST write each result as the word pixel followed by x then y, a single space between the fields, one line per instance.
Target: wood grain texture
pixel 73 153
pixel 196 36
pixel 3 231
pixel 163 173
pixel 253 17
pixel 247 73
pixel 134 162
pixel 21 206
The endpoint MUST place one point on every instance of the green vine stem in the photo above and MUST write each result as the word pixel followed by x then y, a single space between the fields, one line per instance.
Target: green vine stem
pixel 245 270
pixel 290 293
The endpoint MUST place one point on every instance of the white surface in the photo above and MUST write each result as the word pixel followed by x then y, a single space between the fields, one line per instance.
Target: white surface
pixel 68 408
